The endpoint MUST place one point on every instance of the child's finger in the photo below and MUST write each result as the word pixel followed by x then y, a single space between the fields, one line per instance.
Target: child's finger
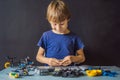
pixel 57 61
pixel 64 62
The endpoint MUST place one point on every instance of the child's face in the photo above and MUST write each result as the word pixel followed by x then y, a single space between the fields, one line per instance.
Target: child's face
pixel 61 27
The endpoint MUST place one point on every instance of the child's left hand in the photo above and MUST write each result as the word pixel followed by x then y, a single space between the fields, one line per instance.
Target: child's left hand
pixel 66 61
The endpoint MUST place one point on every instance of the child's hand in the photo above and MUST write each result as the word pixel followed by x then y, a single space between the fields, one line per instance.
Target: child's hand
pixel 53 62
pixel 66 61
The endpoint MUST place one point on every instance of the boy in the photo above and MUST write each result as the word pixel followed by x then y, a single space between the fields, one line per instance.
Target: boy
pixel 59 46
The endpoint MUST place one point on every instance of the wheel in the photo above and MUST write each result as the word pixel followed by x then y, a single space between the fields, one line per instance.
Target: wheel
pixel 7 64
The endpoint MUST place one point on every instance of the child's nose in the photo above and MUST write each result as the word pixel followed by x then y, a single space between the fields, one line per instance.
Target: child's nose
pixel 58 25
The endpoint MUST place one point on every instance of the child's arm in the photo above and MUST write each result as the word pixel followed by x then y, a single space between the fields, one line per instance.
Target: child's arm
pixel 74 59
pixel 41 58
pixel 79 58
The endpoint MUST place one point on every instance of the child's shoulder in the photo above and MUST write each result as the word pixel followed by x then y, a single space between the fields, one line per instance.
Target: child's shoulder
pixel 73 34
pixel 47 32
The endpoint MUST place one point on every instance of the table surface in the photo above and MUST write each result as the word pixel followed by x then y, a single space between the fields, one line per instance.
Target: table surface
pixel 4 76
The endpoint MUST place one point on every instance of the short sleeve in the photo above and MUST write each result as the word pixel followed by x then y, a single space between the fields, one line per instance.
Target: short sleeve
pixel 78 44
pixel 43 41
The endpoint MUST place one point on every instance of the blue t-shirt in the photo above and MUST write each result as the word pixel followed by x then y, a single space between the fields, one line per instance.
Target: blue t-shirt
pixel 60 45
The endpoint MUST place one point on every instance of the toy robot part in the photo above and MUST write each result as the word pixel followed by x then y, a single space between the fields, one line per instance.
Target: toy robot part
pixel 93 72
pixel 13 75
pixel 67 73
pixel 7 64
pixel 43 71
pixel 109 73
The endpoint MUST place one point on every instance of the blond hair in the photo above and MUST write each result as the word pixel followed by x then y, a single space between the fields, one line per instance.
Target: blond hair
pixel 57 11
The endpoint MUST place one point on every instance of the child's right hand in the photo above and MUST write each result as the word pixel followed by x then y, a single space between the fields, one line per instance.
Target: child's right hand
pixel 53 62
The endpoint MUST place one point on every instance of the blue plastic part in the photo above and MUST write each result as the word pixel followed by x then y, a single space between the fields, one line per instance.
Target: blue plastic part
pixel 109 73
